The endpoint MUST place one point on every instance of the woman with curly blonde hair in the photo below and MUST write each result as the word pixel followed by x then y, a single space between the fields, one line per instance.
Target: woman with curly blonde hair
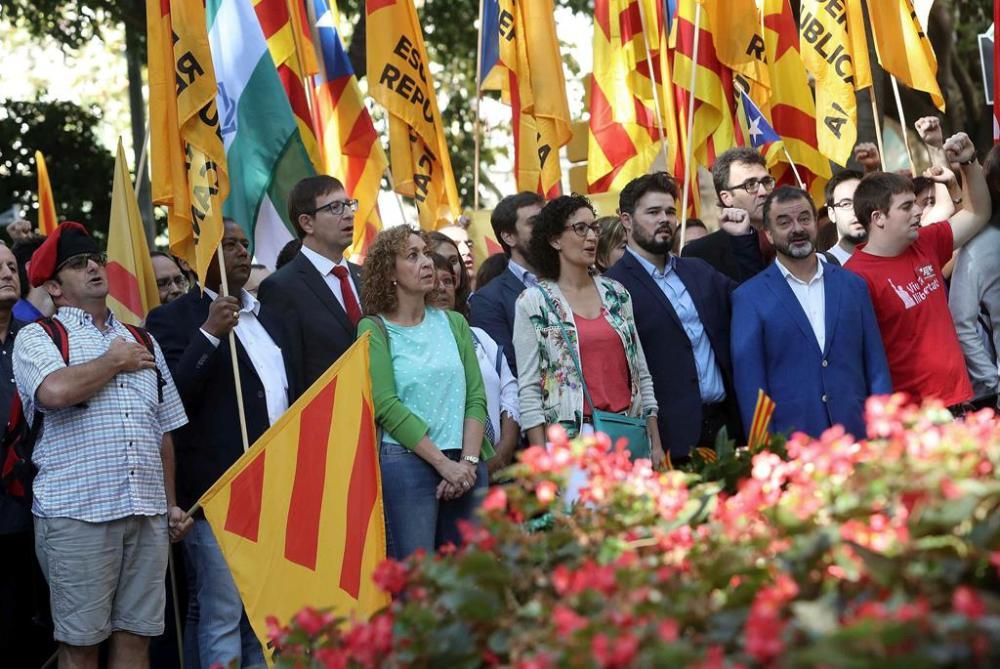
pixel 428 395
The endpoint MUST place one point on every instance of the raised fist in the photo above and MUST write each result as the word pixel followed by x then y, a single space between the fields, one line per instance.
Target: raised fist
pixel 959 149
pixel 938 174
pixel 929 129
pixel 734 221
pixel 866 153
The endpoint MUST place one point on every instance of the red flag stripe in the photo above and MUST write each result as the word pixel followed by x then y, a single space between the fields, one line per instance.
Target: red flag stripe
pixel 361 495
pixel 306 504
pixel 372 6
pixel 246 499
pixel 124 287
pixel 272 15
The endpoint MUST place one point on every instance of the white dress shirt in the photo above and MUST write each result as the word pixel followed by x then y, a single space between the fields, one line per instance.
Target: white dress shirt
pixel 325 267
pixel 501 389
pixel 264 354
pixel 812 298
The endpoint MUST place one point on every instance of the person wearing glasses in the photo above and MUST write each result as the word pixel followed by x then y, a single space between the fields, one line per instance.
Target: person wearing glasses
pixel 839 194
pixel 596 313
pixel 318 293
pixel 170 280
pixel 738 248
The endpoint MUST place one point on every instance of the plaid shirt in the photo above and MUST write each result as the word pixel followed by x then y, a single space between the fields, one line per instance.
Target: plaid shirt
pixel 100 460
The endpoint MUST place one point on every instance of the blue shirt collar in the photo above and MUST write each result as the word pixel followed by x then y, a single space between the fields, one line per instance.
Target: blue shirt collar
pixel 517 270
pixel 652 269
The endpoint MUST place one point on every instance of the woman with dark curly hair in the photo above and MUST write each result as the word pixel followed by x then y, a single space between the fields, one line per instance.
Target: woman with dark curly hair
pixel 428 397
pixel 595 314
pixel 444 245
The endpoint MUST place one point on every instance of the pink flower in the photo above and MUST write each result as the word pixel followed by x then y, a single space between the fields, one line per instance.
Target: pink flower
pixel 967 602
pixel 567 621
pixel 390 576
pixel 668 630
pixel 540 661
pixel 310 620
pixel 612 653
pixel 546 492
pixel 495 500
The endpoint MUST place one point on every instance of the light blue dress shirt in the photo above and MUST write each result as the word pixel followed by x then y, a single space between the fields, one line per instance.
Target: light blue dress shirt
pixel 709 376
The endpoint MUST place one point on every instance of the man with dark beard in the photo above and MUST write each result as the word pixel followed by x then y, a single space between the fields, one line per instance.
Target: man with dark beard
pixel 839 194
pixel 804 331
pixel 682 315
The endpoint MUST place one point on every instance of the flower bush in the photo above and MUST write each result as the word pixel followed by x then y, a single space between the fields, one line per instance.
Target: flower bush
pixel 826 553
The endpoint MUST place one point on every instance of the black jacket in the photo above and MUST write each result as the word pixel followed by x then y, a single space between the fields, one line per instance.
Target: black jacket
pixel 739 258
pixel 492 309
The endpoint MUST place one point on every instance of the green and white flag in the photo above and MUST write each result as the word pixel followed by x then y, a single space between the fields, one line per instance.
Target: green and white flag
pixel 264 150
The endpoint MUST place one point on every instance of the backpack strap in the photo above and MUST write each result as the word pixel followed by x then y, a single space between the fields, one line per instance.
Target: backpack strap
pixel 57 333
pixel 142 336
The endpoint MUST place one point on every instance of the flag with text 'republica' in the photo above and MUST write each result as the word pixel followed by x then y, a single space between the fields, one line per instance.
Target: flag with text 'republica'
pixel 187 158
pixel 835 50
pixel 298 517
pixel 350 147
pixel 399 79
pixel 520 58
pixel 47 221
pixel 286 29
pixel 903 47
pixel 132 290
pixel 261 136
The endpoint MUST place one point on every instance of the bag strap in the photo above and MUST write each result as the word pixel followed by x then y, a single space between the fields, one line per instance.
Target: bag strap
pixel 569 345
pixel 57 333
pixel 142 336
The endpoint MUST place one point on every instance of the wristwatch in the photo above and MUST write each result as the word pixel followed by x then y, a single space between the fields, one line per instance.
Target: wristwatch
pixel 471 458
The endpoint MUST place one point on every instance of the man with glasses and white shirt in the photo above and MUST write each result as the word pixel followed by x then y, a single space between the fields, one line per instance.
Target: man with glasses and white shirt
pixel 318 293
pixel 840 208
pixel 738 249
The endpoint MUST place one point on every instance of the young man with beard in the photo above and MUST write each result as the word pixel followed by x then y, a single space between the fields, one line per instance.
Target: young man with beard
pixel 839 193
pixel 492 307
pixel 901 263
pixel 682 316
pixel 804 331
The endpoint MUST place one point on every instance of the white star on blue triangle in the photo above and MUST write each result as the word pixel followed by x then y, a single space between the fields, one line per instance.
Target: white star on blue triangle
pixel 759 130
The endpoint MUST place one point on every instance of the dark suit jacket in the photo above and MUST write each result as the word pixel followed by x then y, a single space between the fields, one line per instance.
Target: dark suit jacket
pixel 317 325
pixel 492 309
pixel 717 250
pixel 774 348
pixel 669 353
pixel 211 441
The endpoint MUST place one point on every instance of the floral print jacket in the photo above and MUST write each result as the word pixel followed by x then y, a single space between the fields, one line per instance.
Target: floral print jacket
pixel 549 387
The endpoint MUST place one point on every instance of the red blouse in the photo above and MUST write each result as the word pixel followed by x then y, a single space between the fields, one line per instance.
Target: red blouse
pixel 605 367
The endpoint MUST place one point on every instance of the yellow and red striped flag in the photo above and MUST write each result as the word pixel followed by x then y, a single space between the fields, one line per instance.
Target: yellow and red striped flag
pixel 187 157
pixel 299 517
pixel 285 26
pixel 903 47
pixel 521 59
pixel 399 78
pixel 132 290
pixel 47 222
pixel 350 147
pixel 760 425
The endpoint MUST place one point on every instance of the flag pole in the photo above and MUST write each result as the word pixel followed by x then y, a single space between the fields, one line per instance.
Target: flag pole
pixel 140 170
pixel 795 170
pixel 232 351
pixel 689 149
pixel 652 81
pixel 902 122
pixel 177 611
pixel 392 187
pixel 874 101
pixel 477 127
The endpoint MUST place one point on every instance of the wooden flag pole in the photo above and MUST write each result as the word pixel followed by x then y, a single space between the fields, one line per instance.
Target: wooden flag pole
pixel 392 187
pixel 795 170
pixel 140 169
pixel 477 127
pixel 177 611
pixel 652 83
pixel 902 122
pixel 232 351
pixel 689 149
pixel 878 127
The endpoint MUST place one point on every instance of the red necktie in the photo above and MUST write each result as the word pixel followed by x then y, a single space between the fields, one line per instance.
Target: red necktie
pixel 350 302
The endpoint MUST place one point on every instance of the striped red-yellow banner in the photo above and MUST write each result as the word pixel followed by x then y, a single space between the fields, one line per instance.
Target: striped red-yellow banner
pixel 761 423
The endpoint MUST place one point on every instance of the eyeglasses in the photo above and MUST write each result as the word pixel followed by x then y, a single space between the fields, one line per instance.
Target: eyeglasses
pixel 843 204
pixel 752 185
pixel 581 229
pixel 81 261
pixel 337 207
pixel 180 281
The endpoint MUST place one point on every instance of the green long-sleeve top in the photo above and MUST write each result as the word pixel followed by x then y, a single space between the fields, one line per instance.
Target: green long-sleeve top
pixel 425 382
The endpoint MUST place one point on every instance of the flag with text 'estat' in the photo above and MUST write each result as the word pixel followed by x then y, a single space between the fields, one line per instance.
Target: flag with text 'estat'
pixel 519 42
pixel 903 47
pixel 132 290
pixel 399 79
pixel 349 145
pixel 187 158
pixel 292 50
pixel 299 517
pixel 47 221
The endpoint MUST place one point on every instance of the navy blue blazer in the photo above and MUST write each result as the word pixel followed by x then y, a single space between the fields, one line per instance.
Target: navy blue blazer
pixel 211 442
pixel 669 353
pixel 492 309
pixel 774 348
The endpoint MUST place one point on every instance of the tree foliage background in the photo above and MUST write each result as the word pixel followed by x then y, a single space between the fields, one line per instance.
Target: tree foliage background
pixel 451 40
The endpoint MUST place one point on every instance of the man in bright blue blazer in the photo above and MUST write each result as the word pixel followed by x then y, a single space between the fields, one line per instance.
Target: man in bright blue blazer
pixel 804 331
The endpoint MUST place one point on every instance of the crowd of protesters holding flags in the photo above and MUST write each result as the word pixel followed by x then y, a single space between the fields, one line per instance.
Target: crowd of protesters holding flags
pixel 581 322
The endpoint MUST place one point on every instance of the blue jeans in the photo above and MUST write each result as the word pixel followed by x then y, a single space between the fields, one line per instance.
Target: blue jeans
pixel 414 517
pixel 224 633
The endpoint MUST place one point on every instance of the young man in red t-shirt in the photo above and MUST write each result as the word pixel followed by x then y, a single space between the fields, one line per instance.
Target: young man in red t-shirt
pixel 901 263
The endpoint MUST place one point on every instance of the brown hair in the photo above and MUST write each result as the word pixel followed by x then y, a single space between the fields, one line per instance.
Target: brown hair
pixel 612 234
pixel 302 199
pixel 380 264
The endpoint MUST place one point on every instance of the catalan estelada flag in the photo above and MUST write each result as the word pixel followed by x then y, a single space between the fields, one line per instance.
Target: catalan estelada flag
pixel 132 290
pixel 188 159
pixel 299 516
pixel 903 47
pixel 761 424
pixel 350 147
pixel 47 222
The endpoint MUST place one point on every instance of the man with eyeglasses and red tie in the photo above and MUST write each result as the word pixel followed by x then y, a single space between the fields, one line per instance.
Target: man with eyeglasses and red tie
pixel 318 293
pixel 738 248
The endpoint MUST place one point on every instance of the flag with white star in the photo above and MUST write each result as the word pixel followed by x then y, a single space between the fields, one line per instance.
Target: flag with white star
pixel 759 131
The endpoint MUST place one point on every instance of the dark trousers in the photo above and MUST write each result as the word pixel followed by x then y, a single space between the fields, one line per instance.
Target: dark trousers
pixel 25 630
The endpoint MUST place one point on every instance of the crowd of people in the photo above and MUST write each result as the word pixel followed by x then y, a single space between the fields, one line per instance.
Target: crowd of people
pixel 578 319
